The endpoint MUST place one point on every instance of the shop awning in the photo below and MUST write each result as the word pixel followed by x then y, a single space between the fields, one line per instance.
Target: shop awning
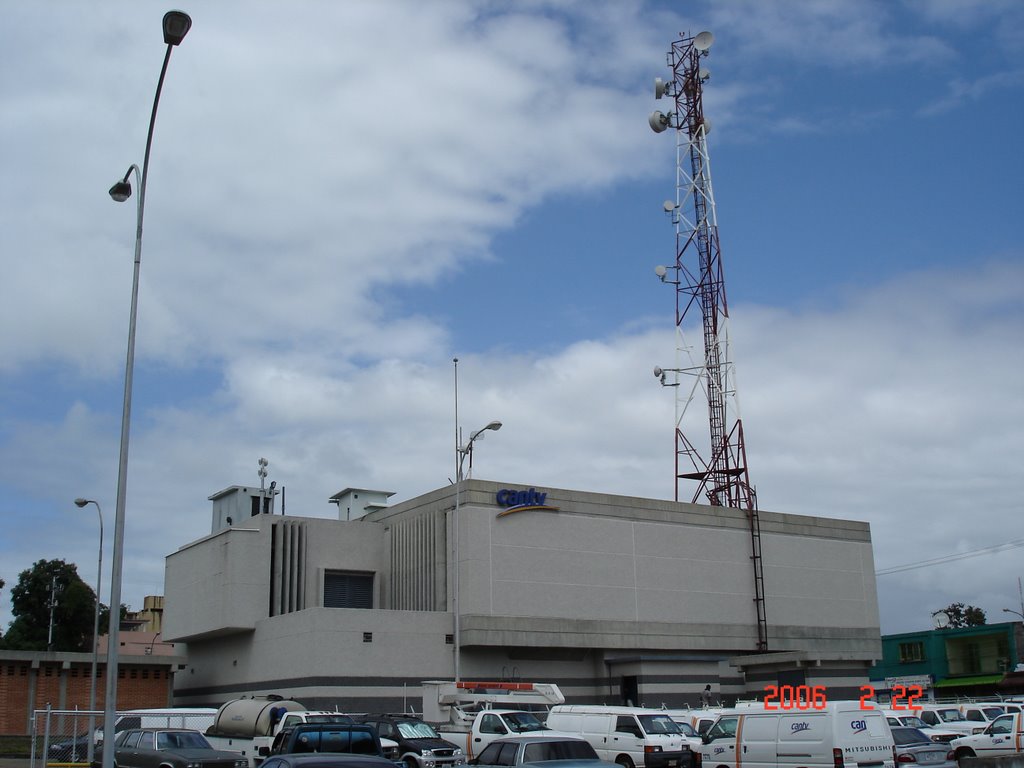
pixel 953 682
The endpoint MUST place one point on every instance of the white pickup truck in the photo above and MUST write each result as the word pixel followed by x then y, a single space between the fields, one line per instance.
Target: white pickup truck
pixel 1003 736
pixel 491 724
pixel 473 714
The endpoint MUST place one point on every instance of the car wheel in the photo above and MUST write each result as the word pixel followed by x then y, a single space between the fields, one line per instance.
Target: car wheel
pixel 410 762
pixel 963 752
pixel 625 761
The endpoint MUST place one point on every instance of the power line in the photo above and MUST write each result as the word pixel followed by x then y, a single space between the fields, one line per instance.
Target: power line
pixel 950 558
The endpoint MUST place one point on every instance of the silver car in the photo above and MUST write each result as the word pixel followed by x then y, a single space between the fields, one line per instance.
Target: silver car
pixel 913 746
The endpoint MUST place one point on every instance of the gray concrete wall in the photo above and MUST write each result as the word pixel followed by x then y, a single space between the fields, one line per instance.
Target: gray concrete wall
pixel 601 589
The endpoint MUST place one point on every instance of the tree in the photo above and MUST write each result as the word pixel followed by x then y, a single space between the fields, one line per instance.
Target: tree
pixel 30 605
pixel 961 615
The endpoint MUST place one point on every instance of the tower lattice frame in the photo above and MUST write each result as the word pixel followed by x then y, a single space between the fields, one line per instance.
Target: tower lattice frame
pixel 723 477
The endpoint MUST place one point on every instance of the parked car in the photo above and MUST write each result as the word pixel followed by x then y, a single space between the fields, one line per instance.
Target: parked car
pixel 899 718
pixel 73 749
pixel 326 760
pixel 419 745
pixel 546 751
pixel 167 748
pixel 913 746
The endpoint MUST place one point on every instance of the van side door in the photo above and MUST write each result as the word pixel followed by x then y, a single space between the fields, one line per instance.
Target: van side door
pixel 627 736
pixel 720 741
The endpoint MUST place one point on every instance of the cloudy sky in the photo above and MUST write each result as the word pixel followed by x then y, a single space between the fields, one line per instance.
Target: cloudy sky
pixel 343 196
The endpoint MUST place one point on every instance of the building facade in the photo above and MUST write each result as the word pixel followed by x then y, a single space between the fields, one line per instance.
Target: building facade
pixel 613 598
pixel 951 662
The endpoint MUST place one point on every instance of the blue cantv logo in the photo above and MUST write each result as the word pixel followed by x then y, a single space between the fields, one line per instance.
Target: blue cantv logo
pixel 518 501
pixel 797 727
pixel 859 726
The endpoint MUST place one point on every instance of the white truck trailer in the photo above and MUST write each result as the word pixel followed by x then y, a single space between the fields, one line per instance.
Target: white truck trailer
pixel 473 714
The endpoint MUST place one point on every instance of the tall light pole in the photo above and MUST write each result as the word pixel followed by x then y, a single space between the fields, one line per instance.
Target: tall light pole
pixel 1015 613
pixel 80 502
pixel 461 452
pixel 176 25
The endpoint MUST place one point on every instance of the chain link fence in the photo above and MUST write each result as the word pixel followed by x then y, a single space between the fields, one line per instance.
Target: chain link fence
pixel 63 738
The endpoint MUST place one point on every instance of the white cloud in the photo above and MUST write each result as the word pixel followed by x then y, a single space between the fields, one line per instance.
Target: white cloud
pixel 308 163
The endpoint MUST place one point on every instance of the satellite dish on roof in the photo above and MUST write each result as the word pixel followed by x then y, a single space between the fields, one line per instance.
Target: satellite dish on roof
pixel 703 41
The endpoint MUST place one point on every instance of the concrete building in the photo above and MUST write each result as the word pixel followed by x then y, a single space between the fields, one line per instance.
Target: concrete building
pixel 613 598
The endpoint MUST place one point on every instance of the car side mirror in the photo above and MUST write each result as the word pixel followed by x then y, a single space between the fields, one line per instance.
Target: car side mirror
pixel 263 751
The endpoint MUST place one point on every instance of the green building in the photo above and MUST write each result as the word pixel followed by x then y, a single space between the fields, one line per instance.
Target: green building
pixel 948 662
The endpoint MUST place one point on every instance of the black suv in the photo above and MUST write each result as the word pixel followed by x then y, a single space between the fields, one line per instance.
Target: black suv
pixel 419 745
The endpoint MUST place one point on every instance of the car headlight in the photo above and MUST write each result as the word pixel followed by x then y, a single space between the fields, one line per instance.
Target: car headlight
pixel 241 764
pixel 457 752
pixel 428 753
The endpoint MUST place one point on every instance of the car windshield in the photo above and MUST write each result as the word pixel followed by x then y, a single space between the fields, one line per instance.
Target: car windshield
pixel 906 736
pixel 417 731
pixel 658 724
pixel 332 718
pixel 524 722
pixel 992 712
pixel 686 730
pixel 181 740
pixel 951 715
pixel 913 722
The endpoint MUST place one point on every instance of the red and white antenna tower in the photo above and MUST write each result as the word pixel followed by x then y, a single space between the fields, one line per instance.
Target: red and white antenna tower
pixel 723 477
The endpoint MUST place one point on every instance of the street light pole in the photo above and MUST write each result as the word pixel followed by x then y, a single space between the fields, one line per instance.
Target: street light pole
pixel 176 25
pixel 95 629
pixel 461 452
pixel 1015 613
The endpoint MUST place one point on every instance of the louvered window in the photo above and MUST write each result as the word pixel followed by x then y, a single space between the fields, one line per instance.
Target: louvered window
pixel 345 589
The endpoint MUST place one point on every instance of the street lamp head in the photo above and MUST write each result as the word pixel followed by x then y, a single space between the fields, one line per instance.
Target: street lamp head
pixel 81 502
pixel 495 425
pixel 176 26
pixel 121 191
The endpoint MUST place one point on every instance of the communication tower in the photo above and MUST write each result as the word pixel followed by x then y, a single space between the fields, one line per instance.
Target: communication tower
pixel 723 476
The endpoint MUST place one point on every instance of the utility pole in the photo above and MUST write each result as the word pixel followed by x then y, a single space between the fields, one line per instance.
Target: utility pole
pixel 53 609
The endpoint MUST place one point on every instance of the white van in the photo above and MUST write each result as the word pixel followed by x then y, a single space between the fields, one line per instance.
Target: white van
pixel 698 719
pixel 838 734
pixel 633 737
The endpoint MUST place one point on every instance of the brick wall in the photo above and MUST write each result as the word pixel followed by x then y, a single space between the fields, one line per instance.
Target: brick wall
pixel 64 681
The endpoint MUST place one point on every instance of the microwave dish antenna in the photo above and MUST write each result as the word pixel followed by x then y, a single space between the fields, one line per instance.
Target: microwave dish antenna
pixel 703 41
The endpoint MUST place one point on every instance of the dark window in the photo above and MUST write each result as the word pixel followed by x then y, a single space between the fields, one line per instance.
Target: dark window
pixel 626 724
pixel 911 652
pixel 492 724
pixel 146 740
pixel 344 589
pixel 132 739
pixel 558 750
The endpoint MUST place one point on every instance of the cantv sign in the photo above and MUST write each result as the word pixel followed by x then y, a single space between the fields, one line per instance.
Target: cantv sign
pixel 520 501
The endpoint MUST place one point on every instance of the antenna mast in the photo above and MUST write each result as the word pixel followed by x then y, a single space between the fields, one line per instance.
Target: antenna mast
pixel 723 477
